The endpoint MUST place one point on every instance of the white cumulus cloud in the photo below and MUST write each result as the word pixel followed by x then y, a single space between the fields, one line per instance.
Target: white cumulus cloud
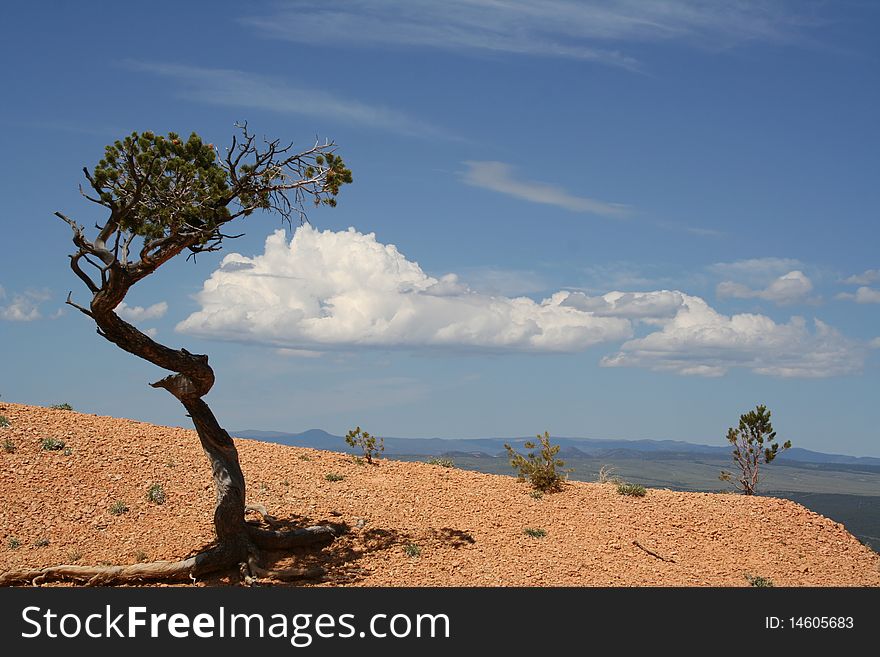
pixel 23 307
pixel 632 305
pixel 699 340
pixel 788 288
pixel 139 313
pixel 325 290
pixel 862 295
pixel 865 278
pixel 345 289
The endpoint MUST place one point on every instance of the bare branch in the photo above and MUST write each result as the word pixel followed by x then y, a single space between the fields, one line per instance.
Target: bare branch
pixel 84 311
pixel 74 265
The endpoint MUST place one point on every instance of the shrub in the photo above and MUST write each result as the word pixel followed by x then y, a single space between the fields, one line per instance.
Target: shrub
pixel 332 476
pixel 8 446
pixel 156 494
pixel 64 406
pixel 305 457
pixel 542 470
pixel 754 443
pixel 412 550
pixel 534 533
pixel 74 555
pixel 442 461
pixel 536 494
pixel 13 543
pixel 42 542
pixel 52 444
pixel 606 475
pixel 757 580
pixel 632 490
pixel 3 422
pixel 368 444
pixel 118 508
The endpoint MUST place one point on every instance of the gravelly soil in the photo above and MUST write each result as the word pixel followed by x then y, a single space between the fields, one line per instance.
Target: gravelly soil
pixel 467 527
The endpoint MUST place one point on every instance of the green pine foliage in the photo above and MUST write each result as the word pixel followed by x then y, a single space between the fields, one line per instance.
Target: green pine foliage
pixel 161 185
pixel 188 184
pixel 754 444
pixel 541 469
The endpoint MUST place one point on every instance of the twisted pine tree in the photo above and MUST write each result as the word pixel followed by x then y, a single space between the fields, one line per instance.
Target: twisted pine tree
pixel 165 196
pixel 754 443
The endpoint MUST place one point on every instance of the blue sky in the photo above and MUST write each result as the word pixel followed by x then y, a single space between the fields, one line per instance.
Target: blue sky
pixel 622 219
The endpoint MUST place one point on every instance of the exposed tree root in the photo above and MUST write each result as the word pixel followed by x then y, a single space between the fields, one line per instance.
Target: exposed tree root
pixel 274 539
pixel 208 561
pixel 216 559
pixel 253 571
pixel 264 513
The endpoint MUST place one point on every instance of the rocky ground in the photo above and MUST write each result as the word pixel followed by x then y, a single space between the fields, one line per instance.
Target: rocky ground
pixel 411 524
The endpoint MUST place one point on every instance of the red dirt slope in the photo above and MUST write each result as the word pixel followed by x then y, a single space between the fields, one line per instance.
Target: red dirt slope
pixel 469 527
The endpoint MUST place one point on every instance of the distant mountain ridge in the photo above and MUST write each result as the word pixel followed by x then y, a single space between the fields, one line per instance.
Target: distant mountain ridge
pixel 588 447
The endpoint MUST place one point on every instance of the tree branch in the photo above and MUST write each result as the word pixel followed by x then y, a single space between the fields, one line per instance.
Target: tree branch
pixel 84 311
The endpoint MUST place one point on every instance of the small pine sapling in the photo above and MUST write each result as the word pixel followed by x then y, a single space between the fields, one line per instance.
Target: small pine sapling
pixel 369 444
pixel 543 470
pixel 754 443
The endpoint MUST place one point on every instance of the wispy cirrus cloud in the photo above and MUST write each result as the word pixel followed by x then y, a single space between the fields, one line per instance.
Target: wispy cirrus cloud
pixel 236 88
pixel 700 231
pixel 576 29
pixel 755 270
pixel 499 177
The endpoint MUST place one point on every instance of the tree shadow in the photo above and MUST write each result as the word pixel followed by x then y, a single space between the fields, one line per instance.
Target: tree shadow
pixel 455 538
pixel 337 563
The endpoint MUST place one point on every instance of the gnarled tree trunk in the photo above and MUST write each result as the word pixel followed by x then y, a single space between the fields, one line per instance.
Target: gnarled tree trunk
pixel 238 542
pixel 193 379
